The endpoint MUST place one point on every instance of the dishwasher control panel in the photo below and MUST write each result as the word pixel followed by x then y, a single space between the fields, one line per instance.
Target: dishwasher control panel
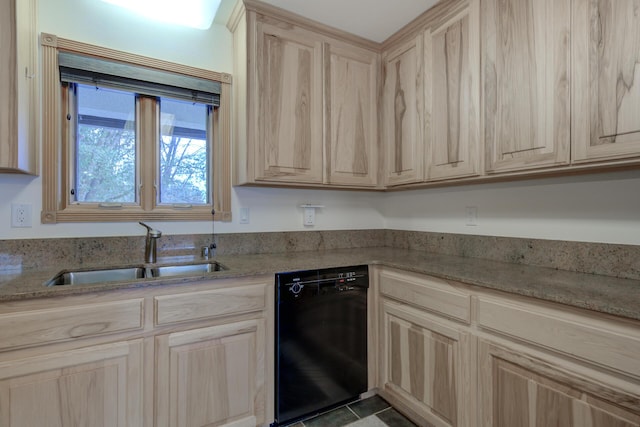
pixel 318 282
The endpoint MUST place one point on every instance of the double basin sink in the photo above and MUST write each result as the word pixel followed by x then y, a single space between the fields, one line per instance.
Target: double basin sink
pixel 126 274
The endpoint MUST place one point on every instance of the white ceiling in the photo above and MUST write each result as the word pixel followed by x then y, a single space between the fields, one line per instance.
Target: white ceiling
pixel 372 19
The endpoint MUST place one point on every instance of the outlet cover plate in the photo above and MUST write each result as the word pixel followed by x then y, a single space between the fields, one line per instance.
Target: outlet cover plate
pixel 21 215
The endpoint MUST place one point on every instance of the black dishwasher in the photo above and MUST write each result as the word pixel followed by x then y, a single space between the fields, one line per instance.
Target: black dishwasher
pixel 321 340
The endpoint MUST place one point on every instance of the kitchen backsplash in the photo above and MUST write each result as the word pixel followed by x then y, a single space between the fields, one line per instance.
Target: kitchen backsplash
pixel 45 253
pixel 594 258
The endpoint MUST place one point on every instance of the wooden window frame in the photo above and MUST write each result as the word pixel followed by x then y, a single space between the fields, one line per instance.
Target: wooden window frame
pixel 55 161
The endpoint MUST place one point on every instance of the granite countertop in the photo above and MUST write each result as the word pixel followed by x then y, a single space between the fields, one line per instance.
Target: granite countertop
pixel 619 297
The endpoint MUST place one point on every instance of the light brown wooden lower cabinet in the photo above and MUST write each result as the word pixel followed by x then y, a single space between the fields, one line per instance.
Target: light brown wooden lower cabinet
pixel 457 355
pixel 96 386
pixel 520 390
pixel 191 355
pixel 210 376
pixel 425 365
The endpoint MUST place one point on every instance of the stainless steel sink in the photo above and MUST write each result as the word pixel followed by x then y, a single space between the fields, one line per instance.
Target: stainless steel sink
pixel 185 269
pixel 86 277
pixel 96 276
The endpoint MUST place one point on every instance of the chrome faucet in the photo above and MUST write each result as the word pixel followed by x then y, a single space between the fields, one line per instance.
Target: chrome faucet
pixel 150 246
pixel 208 251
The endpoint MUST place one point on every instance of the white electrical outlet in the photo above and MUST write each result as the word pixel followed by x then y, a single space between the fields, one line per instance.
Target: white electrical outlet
pixel 309 216
pixel 20 215
pixel 472 215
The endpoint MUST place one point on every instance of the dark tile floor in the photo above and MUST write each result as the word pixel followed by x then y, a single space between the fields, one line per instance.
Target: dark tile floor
pixel 371 412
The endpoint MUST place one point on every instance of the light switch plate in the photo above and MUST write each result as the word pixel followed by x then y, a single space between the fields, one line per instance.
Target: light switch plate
pixel 244 215
pixel 471 213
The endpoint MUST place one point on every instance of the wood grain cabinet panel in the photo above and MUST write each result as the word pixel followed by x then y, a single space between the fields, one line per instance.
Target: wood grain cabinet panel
pixel 614 345
pixel 96 386
pixel 212 376
pixel 209 304
pixel 526 83
pixel 426 292
pixel 452 91
pixel 424 365
pixel 28 328
pixel 403 112
pixel 18 87
pixel 305 102
pixel 351 115
pixel 289 70
pixel 606 79
pixel 517 390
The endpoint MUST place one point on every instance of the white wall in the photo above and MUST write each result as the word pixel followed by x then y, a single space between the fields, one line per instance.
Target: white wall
pixel 601 208
pixel 96 22
pixel 591 208
pixel 103 24
pixel 270 209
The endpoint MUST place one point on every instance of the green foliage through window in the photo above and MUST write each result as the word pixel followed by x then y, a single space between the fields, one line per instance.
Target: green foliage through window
pixel 184 153
pixel 105 149
pixel 105 158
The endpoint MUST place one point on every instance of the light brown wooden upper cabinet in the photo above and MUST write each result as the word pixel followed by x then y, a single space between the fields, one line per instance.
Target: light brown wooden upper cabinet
pixel 18 87
pixel 430 100
pixel 606 79
pixel 525 83
pixel 351 115
pixel 288 97
pixel 403 112
pixel 452 105
pixel 305 110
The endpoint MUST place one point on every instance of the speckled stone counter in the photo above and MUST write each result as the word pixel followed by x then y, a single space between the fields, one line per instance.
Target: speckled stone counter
pixel 615 296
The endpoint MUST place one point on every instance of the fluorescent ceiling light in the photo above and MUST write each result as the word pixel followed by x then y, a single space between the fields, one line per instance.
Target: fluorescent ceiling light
pixel 191 13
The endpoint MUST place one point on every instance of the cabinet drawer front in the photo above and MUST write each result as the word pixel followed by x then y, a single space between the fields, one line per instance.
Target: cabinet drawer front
pixel 209 304
pixel 426 292
pixel 61 324
pixel 615 346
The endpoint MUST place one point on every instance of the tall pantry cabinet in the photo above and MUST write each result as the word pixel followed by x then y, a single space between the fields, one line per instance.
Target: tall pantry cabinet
pixel 18 87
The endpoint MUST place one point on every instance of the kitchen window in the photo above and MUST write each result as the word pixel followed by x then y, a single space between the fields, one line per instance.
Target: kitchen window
pixel 132 138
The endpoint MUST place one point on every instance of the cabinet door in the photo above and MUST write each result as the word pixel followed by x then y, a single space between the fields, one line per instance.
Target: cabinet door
pixel 403 113
pixel 425 365
pixel 517 390
pixel 18 86
pixel 452 91
pixel 98 386
pixel 351 115
pixel 606 79
pixel 525 49
pixel 289 64
pixel 212 376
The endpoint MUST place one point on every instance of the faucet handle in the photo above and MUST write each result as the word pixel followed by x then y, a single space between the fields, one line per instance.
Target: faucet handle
pixel 204 251
pixel 208 251
pixel 151 231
